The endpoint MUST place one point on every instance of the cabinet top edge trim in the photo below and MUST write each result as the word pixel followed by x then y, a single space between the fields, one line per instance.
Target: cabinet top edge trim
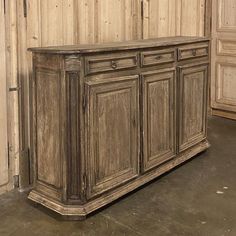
pixel 119 46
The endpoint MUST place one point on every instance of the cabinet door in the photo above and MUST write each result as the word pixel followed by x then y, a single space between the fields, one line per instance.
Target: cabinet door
pixel 193 105
pixel 158 117
pixel 112 133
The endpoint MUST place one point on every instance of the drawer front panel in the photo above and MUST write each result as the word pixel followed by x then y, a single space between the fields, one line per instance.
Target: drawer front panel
pixel 193 51
pixel 110 62
pixel 157 57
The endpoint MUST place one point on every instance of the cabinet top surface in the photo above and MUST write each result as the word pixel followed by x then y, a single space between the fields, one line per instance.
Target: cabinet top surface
pixel 118 46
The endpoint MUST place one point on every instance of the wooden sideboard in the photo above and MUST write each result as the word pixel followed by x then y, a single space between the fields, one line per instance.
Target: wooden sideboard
pixel 108 118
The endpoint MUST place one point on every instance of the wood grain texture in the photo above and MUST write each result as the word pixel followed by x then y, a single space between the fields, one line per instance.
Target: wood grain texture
pixel 12 82
pixel 173 18
pixel 101 131
pixel 113 130
pixel 226 83
pixel 55 22
pixel 110 62
pixel 4 171
pixel 152 58
pixel 48 131
pixel 193 105
pixel 120 46
pixel 84 210
pixel 189 52
pixel 158 117
pixel 223 84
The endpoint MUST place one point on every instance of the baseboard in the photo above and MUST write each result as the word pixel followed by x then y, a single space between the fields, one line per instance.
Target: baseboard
pixel 225 114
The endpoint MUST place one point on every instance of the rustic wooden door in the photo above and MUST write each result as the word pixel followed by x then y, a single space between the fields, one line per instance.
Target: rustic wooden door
pixel 192 105
pixel 3 105
pixel 112 132
pixel 158 117
pixel 223 85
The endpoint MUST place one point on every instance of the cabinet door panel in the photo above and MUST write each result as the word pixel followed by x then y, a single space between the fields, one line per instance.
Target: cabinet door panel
pixel 158 118
pixel 193 105
pixel 113 133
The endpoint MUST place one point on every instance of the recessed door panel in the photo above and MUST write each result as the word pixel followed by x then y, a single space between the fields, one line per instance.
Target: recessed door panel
pixel 113 133
pixel 158 118
pixel 192 105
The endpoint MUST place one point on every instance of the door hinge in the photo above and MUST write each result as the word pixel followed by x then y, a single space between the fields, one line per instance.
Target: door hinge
pixel 25 7
pixel 14 89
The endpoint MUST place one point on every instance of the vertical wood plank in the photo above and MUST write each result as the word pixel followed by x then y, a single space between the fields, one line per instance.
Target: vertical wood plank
pixel 192 17
pixel 86 21
pixel 164 18
pixel 34 23
pixel 117 20
pixel 69 23
pixel 23 98
pixel 3 102
pixel 12 81
pixel 52 22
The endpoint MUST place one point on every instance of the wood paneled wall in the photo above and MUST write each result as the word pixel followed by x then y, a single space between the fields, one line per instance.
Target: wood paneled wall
pixel 173 17
pixel 57 22
pixel 223 83
pixel 3 106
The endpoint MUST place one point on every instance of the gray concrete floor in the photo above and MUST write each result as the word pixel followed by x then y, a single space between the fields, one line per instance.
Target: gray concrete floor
pixel 197 198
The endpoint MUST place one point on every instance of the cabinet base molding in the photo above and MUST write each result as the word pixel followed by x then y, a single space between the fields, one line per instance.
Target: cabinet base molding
pixel 225 114
pixel 79 212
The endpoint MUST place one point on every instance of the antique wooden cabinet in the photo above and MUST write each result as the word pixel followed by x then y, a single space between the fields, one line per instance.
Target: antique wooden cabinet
pixel 108 118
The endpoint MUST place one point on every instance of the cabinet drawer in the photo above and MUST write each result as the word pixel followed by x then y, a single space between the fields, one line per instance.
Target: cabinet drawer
pixel 193 51
pixel 157 57
pixel 110 62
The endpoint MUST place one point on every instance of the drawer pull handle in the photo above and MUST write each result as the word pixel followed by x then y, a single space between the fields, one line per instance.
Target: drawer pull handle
pixel 194 52
pixel 159 57
pixel 113 65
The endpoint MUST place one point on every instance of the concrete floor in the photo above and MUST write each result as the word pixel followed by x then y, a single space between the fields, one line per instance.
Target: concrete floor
pixel 198 198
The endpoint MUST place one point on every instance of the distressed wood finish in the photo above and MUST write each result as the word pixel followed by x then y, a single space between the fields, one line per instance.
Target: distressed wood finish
pixel 113 127
pixel 153 58
pixel 4 168
pixel 223 83
pixel 158 117
pixel 100 131
pixel 110 62
pixel 188 52
pixel 54 22
pixel 193 104
pixel 163 18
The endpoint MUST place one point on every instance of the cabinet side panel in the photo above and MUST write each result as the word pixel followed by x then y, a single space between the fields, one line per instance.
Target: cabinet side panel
pixel 48 127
